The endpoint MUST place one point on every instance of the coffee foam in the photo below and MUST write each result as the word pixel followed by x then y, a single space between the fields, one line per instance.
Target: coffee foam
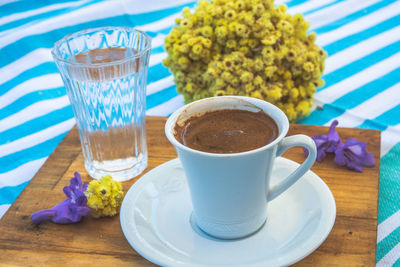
pixel 213 104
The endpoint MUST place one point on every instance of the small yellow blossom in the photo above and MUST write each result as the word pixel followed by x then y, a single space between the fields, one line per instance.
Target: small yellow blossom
pixel 230 15
pixel 197 49
pixel 308 66
pixel 207 31
pixel 231 44
pixel 256 94
pixel 186 12
pixel 246 77
pixel 269 71
pixel 241 30
pixel 186 23
pixel 221 32
pixel 220 93
pixel 268 40
pixel 104 196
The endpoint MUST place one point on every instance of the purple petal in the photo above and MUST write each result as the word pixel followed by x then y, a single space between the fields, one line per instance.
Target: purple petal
pixel 352 165
pixel 320 155
pixel 84 187
pixel 321 143
pixel 68 191
pixel 75 186
pixel 67 212
pixel 79 198
pixel 63 215
pixel 368 160
pixel 355 146
pixel 320 140
pixel 43 215
pixel 339 156
pixel 354 155
pixel 333 137
pixel 76 181
pixel 78 178
pixel 326 143
pixel 83 211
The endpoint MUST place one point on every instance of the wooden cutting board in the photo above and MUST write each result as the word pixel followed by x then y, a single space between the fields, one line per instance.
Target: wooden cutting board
pixel 352 241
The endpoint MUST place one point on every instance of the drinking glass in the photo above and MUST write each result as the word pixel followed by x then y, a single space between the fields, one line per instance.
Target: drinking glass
pixel 104 71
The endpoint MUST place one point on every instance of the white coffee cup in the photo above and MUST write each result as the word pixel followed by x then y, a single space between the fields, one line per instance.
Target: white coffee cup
pixel 230 192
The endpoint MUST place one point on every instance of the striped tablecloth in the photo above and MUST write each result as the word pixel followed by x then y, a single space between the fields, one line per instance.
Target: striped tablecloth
pixel 362 38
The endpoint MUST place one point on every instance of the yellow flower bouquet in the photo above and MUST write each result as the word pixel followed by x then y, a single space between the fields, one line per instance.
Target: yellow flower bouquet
pixel 248 48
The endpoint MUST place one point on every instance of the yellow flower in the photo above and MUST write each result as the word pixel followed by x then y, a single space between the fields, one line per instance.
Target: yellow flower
pixel 304 108
pixel 240 5
pixel 230 15
pixel 308 66
pixel 249 87
pixel 220 93
pixel 167 62
pixel 227 76
pixel 186 12
pixel 183 61
pixel 245 50
pixel 104 196
pixel 231 44
pixel 285 26
pixel 221 32
pixel 258 80
pixel 220 83
pixel 268 40
pixel 228 63
pixel 207 31
pixel 269 71
pixel 241 30
pixel 294 93
pixel 231 91
pixel 248 19
pixel 258 64
pixel 246 77
pixel 252 43
pixel 267 52
pixel 246 47
pixel 275 93
pixel 203 3
pixel 282 8
pixel 291 55
pixel 256 94
pixel 189 87
pixel 184 48
pixel 186 23
pixel 258 9
pixel 197 49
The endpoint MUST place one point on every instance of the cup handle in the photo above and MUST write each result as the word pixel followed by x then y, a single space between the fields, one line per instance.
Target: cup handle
pixel 285 144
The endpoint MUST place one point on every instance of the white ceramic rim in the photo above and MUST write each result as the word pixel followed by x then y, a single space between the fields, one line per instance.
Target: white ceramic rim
pixel 324 228
pixel 283 129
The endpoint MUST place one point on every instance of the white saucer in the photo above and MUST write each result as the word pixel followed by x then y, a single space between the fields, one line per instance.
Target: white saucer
pixel 155 219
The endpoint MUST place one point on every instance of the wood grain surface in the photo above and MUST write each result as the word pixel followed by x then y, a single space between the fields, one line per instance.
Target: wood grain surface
pixel 352 241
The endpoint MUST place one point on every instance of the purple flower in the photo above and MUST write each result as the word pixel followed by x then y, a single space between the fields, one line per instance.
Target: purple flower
pixel 354 155
pixel 326 143
pixel 70 210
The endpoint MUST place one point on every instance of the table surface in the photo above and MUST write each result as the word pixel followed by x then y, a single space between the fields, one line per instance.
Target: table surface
pixel 352 241
pixel 362 82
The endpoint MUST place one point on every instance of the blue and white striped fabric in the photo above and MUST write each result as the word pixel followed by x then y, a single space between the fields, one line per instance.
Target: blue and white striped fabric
pixel 362 38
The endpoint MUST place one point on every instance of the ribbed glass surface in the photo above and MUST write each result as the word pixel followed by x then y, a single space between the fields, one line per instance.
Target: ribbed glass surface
pixel 105 71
